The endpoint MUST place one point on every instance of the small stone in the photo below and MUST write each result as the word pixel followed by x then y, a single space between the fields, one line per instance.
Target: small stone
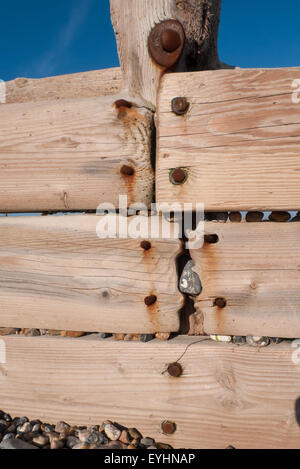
pixel 125 437
pixel 13 443
pixel 147 442
pixel 163 336
pixel 61 427
pixel 32 332
pixel 112 432
pixel 72 441
pixel 74 334
pixel 163 446
pixel 131 446
pixel 20 421
pixel 25 428
pixel 40 440
pixel 239 340
pixel 57 444
pixel 36 428
pixel 116 445
pixel 3 426
pixel 189 281
pixel 276 340
pixel 135 434
pixel 7 331
pixel 104 335
pixel 8 436
pixel 119 337
pixel 92 438
pixel 7 417
pixel 53 436
pixel 151 447
pixel 147 338
pixel 256 341
pixel 47 428
pixel 81 446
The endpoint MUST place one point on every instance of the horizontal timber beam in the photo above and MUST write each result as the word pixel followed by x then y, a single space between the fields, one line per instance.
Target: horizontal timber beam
pixel 254 269
pixel 238 142
pixel 227 395
pixel 55 273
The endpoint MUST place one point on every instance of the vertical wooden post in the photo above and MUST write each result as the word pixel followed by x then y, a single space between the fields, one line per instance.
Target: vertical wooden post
pixel 133 21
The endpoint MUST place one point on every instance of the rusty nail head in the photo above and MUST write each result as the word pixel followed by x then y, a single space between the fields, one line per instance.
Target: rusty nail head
pixel 150 300
pixel 146 245
pixel 178 176
pixel 175 370
pixel 122 103
pixel 127 170
pixel 220 302
pixel 169 428
pixel 180 106
pixel 170 40
pixel 211 238
pixel 166 42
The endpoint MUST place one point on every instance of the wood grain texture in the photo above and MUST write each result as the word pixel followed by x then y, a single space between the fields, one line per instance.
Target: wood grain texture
pixel 227 395
pixel 255 267
pixel 133 21
pixel 77 85
pixel 67 154
pixel 55 273
pixel 240 139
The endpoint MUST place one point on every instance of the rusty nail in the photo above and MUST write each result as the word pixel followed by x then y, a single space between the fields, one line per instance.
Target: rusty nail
pixel 146 245
pixel 220 302
pixel 122 103
pixel 211 238
pixel 178 176
pixel 169 428
pixel 150 300
pixel 180 106
pixel 127 170
pixel 175 370
pixel 170 40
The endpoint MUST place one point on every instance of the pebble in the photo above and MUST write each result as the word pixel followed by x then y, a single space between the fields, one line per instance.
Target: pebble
pixel 125 437
pixel 147 338
pixel 16 444
pixel 147 442
pixel 238 340
pixel 135 434
pixel 25 428
pixel 189 281
pixel 40 440
pixel 112 432
pixel 72 441
pixel 163 336
pixel 61 427
pixel 255 341
pixel 20 433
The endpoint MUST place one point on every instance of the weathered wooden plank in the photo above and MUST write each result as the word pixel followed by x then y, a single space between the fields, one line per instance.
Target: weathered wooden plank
pixel 55 273
pixel 133 21
pixel 227 395
pixel 239 141
pixel 77 85
pixel 255 268
pixel 68 154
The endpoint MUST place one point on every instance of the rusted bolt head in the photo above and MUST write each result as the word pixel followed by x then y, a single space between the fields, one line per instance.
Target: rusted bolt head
pixel 178 176
pixel 180 106
pixel 169 428
pixel 211 238
pixel 220 302
pixel 127 170
pixel 122 103
pixel 166 42
pixel 150 300
pixel 175 370
pixel 146 245
pixel 170 40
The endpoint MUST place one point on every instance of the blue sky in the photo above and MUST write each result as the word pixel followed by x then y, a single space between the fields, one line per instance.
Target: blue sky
pixel 54 37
